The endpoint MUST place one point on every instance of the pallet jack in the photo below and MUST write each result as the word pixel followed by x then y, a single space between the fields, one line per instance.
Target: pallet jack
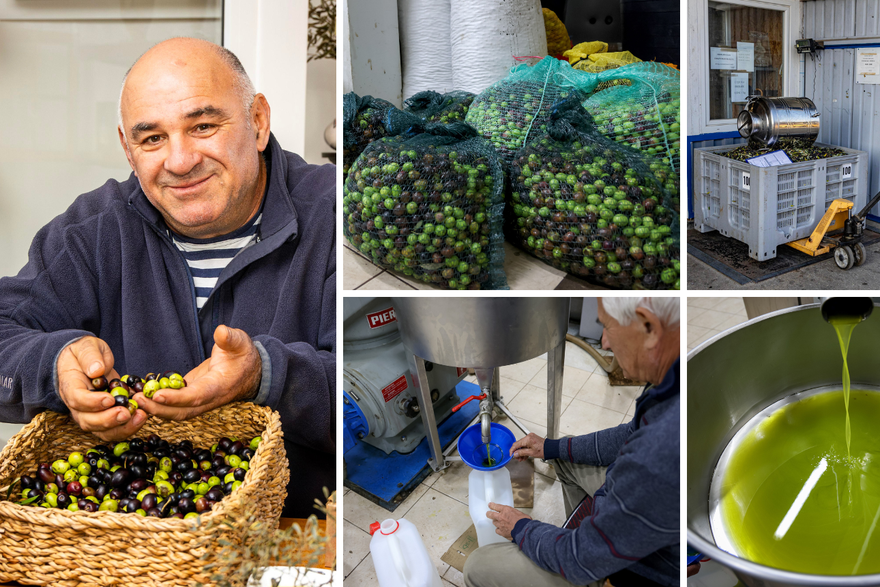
pixel 846 242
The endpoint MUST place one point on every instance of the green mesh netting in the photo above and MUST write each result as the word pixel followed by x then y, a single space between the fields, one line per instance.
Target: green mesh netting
pixel 363 121
pixel 510 111
pixel 591 206
pixel 645 116
pixel 435 107
pixel 429 204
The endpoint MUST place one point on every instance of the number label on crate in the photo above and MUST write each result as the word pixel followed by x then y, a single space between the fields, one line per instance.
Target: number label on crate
pixel 846 171
pixel 746 181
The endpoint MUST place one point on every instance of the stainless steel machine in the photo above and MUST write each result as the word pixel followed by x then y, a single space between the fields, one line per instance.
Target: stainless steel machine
pixel 381 402
pixel 483 334
pixel 769 120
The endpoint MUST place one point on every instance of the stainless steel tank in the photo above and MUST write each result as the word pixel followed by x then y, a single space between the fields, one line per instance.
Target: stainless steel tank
pixel 734 376
pixel 767 120
pixel 481 332
pixel 485 334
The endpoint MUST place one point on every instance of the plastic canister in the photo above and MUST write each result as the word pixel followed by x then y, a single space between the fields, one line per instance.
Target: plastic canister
pixel 400 556
pixel 485 487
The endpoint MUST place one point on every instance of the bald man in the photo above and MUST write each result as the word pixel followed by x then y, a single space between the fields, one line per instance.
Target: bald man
pixel 215 258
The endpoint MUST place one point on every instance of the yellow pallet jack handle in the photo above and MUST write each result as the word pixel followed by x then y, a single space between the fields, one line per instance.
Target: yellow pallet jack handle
pixel 833 219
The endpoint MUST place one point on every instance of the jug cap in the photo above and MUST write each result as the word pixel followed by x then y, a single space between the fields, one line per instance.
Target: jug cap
pixel 386 528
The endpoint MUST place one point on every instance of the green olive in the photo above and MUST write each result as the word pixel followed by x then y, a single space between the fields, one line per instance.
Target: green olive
pixel 119 391
pixel 75 459
pixel 150 388
pixel 109 505
pixel 214 480
pixel 60 467
pixel 203 488
pixel 121 448
pixel 233 460
pixel 73 507
pixel 190 515
pixel 51 498
pixel 84 469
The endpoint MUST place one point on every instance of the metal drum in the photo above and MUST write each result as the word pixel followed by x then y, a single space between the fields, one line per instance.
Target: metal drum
pixel 735 376
pixel 481 332
pixel 767 120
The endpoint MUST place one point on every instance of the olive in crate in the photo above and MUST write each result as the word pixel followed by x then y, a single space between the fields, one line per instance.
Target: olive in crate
pixel 148 477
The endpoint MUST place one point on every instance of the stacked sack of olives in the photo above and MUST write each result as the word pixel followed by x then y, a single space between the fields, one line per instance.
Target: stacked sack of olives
pixel 149 477
pixel 428 204
pixel 644 115
pixel 514 110
pixel 592 207
pixel 363 122
pixel 443 108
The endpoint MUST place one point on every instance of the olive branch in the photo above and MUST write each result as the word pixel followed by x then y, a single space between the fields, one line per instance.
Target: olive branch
pixel 322 29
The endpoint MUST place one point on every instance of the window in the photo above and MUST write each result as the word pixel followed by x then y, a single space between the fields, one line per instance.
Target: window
pixel 736 49
pixel 745 56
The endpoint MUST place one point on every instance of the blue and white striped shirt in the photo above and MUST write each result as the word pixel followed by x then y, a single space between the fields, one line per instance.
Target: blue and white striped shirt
pixel 208 257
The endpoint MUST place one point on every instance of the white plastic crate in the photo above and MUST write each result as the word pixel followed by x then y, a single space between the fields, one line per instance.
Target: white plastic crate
pixel 765 207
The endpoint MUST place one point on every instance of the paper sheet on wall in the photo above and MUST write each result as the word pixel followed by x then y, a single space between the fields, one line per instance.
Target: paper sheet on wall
pixel 745 56
pixel 739 87
pixel 722 58
pixel 868 65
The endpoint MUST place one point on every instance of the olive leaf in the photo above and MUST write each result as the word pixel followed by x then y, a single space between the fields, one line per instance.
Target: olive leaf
pixel 29 500
pixel 322 30
pixel 11 488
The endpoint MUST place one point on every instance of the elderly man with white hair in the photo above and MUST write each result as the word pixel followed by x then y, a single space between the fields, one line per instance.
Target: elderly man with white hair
pixel 620 486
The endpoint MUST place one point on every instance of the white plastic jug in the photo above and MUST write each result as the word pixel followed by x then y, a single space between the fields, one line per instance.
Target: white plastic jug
pixel 485 487
pixel 400 556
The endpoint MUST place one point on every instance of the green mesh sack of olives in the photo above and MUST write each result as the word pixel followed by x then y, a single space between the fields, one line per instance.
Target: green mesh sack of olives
pixel 510 112
pixel 363 121
pixel 592 207
pixel 429 204
pixel 435 107
pixel 644 115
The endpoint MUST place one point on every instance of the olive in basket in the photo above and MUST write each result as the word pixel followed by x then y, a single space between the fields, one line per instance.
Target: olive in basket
pixel 147 477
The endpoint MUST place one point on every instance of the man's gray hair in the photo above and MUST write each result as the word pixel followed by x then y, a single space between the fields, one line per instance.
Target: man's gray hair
pixel 623 309
pixel 240 79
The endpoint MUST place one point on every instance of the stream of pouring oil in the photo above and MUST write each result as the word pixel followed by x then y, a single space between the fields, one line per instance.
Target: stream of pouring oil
pixel 802 494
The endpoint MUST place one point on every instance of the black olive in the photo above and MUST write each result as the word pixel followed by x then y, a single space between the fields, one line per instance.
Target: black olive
pixel 149 502
pixel 120 478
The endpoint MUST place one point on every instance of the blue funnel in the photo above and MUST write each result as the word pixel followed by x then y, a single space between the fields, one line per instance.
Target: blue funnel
pixel 473 451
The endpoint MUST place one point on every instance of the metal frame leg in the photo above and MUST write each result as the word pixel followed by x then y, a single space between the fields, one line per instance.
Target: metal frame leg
pixel 437 460
pixel 555 360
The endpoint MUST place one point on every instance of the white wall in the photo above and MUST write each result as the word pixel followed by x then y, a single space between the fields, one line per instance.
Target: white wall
pixel 320 108
pixel 372 46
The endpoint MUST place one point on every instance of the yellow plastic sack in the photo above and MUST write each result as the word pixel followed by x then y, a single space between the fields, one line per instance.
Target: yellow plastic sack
pixel 557 35
pixel 584 50
pixel 599 62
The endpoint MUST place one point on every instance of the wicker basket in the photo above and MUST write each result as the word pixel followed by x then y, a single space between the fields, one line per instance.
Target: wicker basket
pixel 40 546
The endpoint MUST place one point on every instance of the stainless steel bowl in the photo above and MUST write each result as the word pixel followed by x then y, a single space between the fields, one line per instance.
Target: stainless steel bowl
pixel 732 378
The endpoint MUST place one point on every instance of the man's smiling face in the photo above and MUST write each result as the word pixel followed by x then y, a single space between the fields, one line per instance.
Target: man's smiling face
pixel 191 141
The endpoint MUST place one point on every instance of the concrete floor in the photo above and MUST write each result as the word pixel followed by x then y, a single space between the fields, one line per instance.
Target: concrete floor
pixel 824 275
pixel 438 507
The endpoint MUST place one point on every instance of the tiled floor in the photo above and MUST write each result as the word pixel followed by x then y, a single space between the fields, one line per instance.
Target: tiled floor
pixel 708 317
pixel 438 507
pixel 523 272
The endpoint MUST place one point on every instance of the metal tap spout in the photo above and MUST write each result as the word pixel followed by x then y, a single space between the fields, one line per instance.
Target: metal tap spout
pixel 486 420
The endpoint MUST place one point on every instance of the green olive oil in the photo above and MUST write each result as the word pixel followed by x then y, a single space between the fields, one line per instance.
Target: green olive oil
pixel 844 326
pixel 798 495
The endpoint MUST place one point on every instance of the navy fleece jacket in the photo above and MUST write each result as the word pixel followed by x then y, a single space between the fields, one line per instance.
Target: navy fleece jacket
pixel 106 267
pixel 635 518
